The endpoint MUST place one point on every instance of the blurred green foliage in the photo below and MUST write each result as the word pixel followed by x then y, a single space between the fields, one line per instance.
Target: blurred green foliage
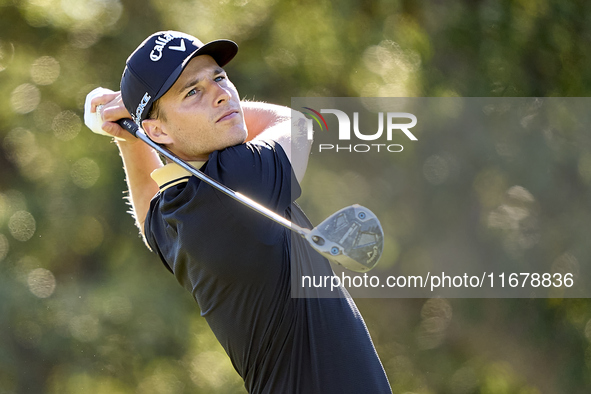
pixel 85 308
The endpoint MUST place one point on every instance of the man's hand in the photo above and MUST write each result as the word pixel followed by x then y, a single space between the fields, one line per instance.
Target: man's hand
pixel 102 109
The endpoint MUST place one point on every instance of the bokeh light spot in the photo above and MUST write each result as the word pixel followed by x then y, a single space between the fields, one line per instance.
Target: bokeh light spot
pixel 81 9
pixel 19 145
pixel 89 235
pixel 42 166
pixel 521 194
pixel 437 307
pixel 14 200
pixel 3 207
pixel 566 263
pixel 464 381
pixel 507 217
pixel 84 328
pixel 161 379
pixel 22 225
pixel 6 54
pixel 24 266
pixel 66 125
pixel 4 247
pixel 25 98
pixel 436 315
pixel 208 370
pixel 41 282
pixel 85 172
pixel 436 170
pixel 396 68
pixel 112 10
pixel 83 38
pixel 45 70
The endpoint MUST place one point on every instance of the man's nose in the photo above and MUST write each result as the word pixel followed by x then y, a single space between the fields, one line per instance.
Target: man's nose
pixel 222 94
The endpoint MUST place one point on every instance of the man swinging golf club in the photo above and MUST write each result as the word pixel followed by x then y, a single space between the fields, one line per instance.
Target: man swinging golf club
pixel 237 264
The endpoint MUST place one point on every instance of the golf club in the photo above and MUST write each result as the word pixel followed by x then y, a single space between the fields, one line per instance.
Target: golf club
pixel 352 237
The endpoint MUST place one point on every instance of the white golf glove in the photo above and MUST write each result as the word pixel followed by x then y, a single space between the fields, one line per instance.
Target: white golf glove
pixel 94 121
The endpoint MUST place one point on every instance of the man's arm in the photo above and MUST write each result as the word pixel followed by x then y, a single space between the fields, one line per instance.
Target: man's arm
pixel 139 160
pixel 281 124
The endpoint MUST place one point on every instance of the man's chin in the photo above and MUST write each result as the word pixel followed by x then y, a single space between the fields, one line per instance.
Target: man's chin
pixel 240 136
pixel 235 140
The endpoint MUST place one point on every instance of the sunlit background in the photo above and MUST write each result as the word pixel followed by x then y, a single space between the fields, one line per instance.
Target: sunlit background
pixel 86 308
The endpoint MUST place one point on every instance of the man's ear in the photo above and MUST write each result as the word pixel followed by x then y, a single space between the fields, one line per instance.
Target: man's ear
pixel 156 131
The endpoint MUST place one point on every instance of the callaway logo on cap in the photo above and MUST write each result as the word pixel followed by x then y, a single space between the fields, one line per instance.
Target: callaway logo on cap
pixel 158 62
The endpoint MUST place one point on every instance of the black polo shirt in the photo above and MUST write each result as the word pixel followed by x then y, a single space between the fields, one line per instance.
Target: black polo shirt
pixel 236 264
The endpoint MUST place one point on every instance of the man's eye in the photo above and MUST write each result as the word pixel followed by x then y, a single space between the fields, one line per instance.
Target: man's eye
pixel 219 78
pixel 191 92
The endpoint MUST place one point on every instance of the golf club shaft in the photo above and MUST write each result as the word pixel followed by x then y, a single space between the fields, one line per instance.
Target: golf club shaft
pixel 137 132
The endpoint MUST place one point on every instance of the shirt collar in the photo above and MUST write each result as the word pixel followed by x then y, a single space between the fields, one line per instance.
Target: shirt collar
pixel 172 174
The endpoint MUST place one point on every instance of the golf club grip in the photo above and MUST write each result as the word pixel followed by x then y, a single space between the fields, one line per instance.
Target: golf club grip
pixel 129 125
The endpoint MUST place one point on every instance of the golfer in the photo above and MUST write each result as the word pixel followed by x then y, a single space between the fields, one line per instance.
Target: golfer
pixel 237 264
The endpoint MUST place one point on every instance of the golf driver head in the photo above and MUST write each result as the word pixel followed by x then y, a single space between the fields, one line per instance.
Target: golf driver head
pixel 352 237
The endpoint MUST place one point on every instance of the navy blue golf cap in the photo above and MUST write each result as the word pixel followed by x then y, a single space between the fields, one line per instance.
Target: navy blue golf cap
pixel 159 61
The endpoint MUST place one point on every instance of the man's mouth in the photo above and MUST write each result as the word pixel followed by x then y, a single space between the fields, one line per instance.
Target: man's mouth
pixel 227 115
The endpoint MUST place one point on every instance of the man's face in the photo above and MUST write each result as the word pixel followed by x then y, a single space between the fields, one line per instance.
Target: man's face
pixel 202 112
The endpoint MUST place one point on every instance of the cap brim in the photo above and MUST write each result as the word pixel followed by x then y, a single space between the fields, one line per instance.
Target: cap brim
pixel 222 51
